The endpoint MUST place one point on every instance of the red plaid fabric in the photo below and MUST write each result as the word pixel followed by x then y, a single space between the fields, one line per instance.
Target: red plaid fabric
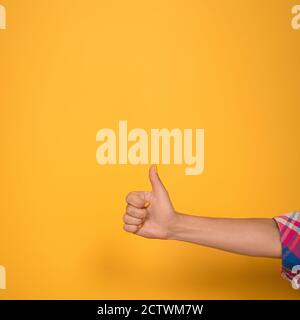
pixel 289 227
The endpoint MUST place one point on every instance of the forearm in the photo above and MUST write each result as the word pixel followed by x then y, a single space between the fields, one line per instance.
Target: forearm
pixel 254 237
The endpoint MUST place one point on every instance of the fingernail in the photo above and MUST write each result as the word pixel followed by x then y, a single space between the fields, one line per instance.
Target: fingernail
pixel 147 204
pixel 156 169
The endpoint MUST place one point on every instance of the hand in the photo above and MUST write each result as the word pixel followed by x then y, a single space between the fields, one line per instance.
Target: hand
pixel 150 214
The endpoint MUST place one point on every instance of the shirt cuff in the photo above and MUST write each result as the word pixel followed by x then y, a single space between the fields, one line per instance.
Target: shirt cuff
pixel 289 228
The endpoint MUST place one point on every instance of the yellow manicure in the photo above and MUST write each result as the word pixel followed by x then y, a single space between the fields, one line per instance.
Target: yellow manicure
pixel 140 225
pixel 155 167
pixel 147 204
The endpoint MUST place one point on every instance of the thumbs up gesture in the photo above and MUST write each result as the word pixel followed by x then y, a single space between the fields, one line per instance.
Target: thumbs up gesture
pixel 150 214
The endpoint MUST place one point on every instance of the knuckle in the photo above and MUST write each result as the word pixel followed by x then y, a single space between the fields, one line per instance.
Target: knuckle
pixel 129 195
pixel 130 228
pixel 127 219
pixel 126 227
pixel 135 212
pixel 129 208
pixel 135 198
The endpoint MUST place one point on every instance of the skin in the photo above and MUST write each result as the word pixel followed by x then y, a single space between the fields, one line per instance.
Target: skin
pixel 150 214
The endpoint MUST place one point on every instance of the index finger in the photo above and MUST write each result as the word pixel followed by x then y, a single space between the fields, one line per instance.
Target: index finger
pixel 137 199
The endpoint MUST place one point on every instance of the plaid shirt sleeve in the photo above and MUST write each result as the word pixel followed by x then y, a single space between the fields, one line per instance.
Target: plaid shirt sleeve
pixel 289 228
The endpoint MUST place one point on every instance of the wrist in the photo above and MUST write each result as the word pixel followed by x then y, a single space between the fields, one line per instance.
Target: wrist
pixel 174 226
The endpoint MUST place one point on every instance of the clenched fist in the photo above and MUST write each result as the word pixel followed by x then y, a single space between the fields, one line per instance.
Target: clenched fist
pixel 150 214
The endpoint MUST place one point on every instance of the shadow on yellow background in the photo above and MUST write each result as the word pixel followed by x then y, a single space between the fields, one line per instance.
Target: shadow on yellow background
pixel 70 68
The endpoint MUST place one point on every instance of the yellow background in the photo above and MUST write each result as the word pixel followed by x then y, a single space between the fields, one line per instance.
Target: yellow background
pixel 69 68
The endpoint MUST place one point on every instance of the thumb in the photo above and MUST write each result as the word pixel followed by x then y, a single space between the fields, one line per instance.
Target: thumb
pixel 157 185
